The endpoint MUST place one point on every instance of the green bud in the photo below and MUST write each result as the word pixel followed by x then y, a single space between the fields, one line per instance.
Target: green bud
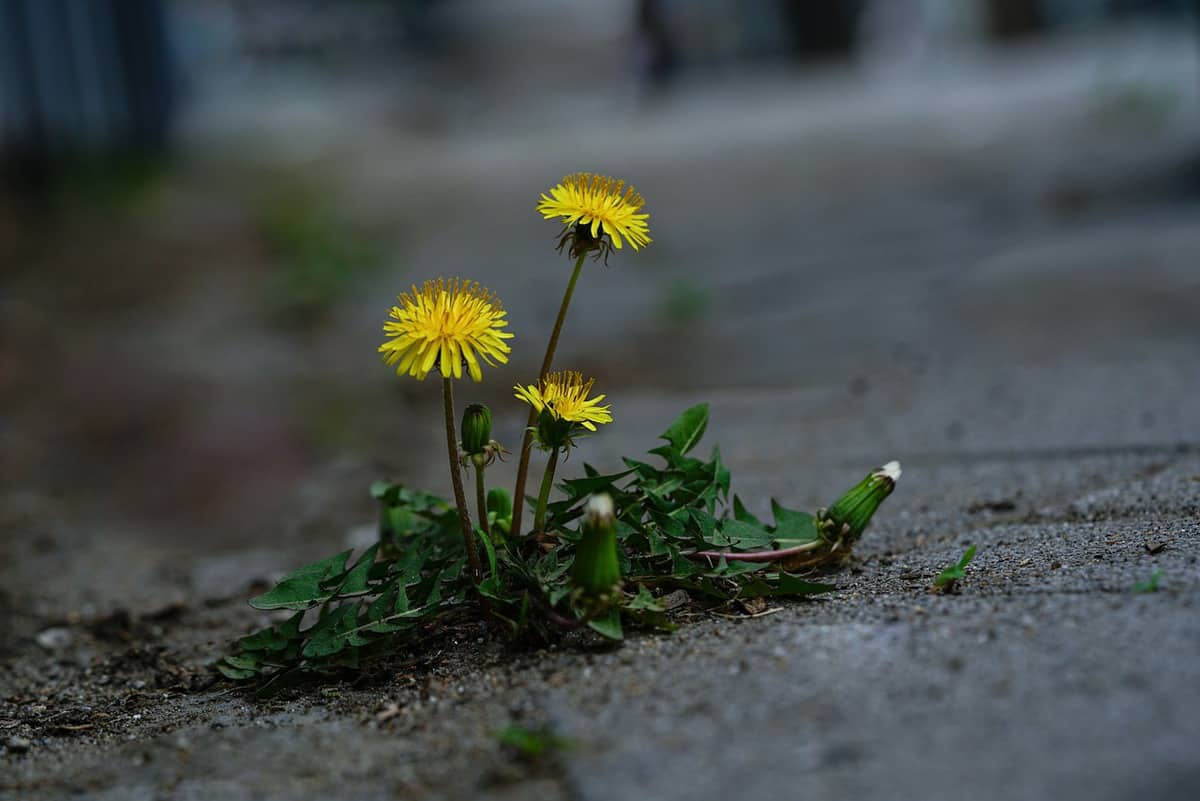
pixel 845 520
pixel 499 509
pixel 596 570
pixel 553 432
pixel 476 429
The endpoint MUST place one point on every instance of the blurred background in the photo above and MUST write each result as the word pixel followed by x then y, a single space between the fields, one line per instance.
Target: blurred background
pixel 883 229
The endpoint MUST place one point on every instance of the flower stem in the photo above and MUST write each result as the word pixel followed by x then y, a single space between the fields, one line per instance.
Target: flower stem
pixel 712 557
pixel 539 517
pixel 527 441
pixel 460 498
pixel 481 498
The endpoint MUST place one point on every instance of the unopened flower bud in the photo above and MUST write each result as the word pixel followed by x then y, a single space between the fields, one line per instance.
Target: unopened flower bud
pixel 596 570
pixel 476 429
pixel 844 522
pixel 499 510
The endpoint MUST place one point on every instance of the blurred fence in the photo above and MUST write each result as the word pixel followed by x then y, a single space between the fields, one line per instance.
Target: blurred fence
pixel 82 76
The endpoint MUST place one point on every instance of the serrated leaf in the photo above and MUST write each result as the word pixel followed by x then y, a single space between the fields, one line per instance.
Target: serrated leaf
pixel 784 584
pixel 721 475
pixel 688 428
pixel 740 513
pixel 302 589
pixel 356 580
pixel 746 536
pixel 792 528
pixel 385 491
pixel 273 638
pixel 242 661
pixel 609 625
pixel 328 636
pixel 644 601
pixel 705 523
pixel 579 487
pixel 236 674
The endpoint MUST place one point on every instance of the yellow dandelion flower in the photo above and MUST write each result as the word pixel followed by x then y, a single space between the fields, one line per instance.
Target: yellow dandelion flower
pixel 565 395
pixel 446 323
pixel 605 204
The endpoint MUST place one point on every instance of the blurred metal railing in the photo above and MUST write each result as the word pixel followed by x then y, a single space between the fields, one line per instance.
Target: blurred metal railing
pixel 82 77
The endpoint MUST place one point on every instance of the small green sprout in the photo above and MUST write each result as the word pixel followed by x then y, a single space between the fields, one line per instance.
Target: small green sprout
pixel 948 579
pixel 532 743
pixel 1150 584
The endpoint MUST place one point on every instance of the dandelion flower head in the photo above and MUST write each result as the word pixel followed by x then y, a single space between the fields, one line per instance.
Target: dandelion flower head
pixel 565 396
pixel 605 204
pixel 446 323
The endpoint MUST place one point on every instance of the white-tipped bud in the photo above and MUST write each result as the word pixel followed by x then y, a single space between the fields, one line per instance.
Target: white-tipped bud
pixel 890 470
pixel 599 508
pixel 597 570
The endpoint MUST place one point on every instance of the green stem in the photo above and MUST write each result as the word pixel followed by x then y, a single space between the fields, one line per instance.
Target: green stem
pixel 539 517
pixel 460 498
pixel 527 441
pixel 481 498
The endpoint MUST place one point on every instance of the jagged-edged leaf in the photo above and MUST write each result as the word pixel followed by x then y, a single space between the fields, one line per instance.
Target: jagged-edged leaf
pixel 235 673
pixel 302 588
pixel 327 636
pixel 609 625
pixel 356 579
pixel 273 638
pixel 705 524
pixel 688 428
pixel 579 487
pixel 740 513
pixel 644 601
pixel 784 584
pixel 792 527
pixel 242 661
pixel 746 536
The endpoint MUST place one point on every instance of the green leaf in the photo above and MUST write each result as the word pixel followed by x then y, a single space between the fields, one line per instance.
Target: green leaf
pixel 274 638
pixel 579 487
pixel 644 601
pixel 688 428
pixel 740 513
pixel 609 625
pixel 794 585
pixel 791 527
pixel 784 584
pixel 491 584
pixel 328 636
pixel 237 674
pixel 356 580
pixel 242 662
pixel 1150 584
pixel 746 536
pixel 302 588
pixel 955 572
pixel 532 743
pixel 385 491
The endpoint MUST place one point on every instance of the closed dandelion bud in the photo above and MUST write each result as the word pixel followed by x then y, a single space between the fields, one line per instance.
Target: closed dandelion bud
pixel 596 570
pixel 844 522
pixel 476 429
pixel 500 509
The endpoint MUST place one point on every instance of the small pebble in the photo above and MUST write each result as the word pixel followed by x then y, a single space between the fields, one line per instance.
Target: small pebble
pixel 18 745
pixel 55 639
